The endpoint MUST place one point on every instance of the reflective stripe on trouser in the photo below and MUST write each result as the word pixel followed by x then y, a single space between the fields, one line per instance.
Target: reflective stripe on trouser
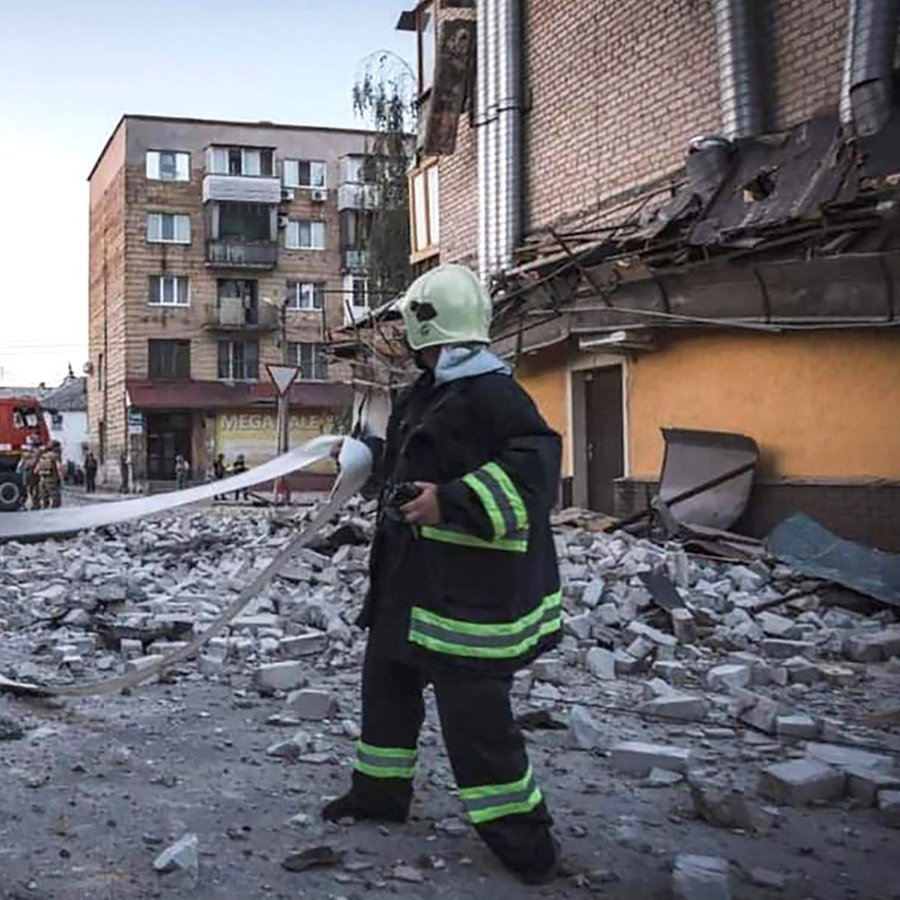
pixel 500 640
pixel 385 762
pixel 500 498
pixel 494 801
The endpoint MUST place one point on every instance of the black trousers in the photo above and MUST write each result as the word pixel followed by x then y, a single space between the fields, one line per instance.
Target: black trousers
pixel 485 746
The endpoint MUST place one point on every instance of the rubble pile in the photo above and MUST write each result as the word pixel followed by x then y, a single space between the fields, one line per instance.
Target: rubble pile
pixel 741 682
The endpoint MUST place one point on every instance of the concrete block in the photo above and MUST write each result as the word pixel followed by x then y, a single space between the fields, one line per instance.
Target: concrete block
pixel 684 625
pixel 601 663
pixel 672 705
pixel 608 614
pixel 777 648
pixel 638 758
pixel 863 785
pixel 889 808
pixel 776 626
pixel 142 662
pixel 675 673
pixel 308 644
pixel 312 704
pixel 660 638
pixel 584 731
pixel 640 648
pixel 756 710
pixel 801 671
pixel 579 626
pixel 626 664
pixel 280 676
pixel 727 677
pixel 700 878
pixel 801 782
pixel 850 758
pixel 797 726
pixel 873 646
pixel 131 649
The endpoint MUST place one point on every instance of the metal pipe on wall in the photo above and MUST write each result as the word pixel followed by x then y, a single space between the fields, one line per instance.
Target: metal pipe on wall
pixel 510 127
pixel 481 121
pixel 739 45
pixel 868 64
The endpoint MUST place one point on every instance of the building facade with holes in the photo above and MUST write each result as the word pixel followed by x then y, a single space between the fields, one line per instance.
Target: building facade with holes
pixel 216 248
pixel 687 212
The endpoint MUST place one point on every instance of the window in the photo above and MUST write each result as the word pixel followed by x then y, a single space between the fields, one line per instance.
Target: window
pixel 240 161
pixel 239 360
pixel 310 357
pixel 168 165
pixel 425 210
pixel 245 222
pixel 168 228
pixel 170 290
pixel 168 359
pixel 305 294
pixel 100 372
pixel 305 173
pixel 305 235
pixel 427 46
pixel 238 298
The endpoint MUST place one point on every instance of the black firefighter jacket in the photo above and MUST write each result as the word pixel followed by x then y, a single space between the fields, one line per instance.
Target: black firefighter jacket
pixel 482 588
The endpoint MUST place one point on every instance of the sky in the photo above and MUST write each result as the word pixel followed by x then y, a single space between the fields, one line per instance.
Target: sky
pixel 69 69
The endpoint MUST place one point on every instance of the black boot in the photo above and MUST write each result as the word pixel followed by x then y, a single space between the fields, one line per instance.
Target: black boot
pixel 384 801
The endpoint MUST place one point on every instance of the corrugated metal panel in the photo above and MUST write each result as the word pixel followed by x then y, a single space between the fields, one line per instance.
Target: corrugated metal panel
pixel 241 189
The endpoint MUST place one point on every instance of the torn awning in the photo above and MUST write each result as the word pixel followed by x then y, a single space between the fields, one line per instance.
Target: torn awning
pixel 219 395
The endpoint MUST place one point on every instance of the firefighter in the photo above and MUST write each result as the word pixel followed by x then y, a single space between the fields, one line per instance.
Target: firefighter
pixel 465 585
pixel 50 475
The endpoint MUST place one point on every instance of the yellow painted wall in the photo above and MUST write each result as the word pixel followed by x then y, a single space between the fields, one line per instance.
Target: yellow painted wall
pixel 543 375
pixel 819 404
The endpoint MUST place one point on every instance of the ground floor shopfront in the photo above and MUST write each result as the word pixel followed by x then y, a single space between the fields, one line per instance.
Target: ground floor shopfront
pixel 201 421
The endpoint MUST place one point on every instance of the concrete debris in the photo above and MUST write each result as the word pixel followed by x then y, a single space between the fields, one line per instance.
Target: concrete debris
pixel 312 704
pixel 637 758
pixel 584 731
pixel 801 782
pixel 182 856
pixel 889 808
pixel 716 682
pixel 700 878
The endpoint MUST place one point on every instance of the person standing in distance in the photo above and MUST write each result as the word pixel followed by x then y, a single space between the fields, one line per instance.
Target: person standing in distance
pixel 464 581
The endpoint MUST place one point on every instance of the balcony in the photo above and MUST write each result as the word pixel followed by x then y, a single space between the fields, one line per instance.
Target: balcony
pixel 241 189
pixel 356 195
pixel 231 314
pixel 233 254
pixel 355 260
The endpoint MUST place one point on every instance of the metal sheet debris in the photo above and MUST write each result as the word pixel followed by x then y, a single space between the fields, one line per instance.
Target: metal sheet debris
pixel 811 549
pixel 707 476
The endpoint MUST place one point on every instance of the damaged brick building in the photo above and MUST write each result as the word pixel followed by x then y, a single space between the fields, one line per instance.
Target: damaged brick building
pixel 687 211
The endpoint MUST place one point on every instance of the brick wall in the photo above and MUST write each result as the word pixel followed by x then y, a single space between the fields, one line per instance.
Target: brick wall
pixel 615 91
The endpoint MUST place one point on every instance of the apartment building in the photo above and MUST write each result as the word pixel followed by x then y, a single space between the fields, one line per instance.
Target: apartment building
pixel 688 214
pixel 217 248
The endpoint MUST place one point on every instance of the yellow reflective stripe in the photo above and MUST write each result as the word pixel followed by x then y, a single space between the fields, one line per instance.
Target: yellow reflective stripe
pixel 480 817
pixel 384 771
pixel 400 753
pixel 492 790
pixel 461 539
pixel 478 640
pixel 488 502
pixel 511 491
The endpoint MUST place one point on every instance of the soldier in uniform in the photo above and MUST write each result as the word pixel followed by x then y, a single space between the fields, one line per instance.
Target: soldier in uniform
pixel 27 467
pixel 49 474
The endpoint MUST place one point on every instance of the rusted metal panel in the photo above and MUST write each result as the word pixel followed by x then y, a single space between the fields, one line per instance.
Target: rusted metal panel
pixel 451 80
